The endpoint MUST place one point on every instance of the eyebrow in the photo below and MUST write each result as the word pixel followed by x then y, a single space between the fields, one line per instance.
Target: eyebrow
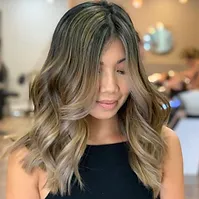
pixel 118 62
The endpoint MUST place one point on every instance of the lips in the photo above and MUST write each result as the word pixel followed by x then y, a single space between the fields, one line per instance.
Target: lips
pixel 107 104
pixel 107 101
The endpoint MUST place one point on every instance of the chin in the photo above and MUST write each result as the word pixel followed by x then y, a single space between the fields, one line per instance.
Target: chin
pixel 103 115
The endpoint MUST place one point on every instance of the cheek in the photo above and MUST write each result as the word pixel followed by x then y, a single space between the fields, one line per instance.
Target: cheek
pixel 124 87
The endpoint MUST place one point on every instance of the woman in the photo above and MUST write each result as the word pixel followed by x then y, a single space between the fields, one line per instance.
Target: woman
pixel 98 129
pixel 187 79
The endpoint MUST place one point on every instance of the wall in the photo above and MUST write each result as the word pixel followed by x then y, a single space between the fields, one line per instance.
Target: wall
pixel 181 19
pixel 27 28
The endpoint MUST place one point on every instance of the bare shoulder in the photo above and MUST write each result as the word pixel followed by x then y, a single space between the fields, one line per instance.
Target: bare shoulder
pixel 18 155
pixel 173 144
pixel 173 177
pixel 15 159
pixel 172 140
pixel 20 184
pixel 169 134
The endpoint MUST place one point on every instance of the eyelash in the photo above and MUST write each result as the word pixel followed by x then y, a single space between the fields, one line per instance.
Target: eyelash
pixel 122 72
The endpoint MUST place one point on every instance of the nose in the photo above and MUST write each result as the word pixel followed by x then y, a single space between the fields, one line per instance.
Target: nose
pixel 108 83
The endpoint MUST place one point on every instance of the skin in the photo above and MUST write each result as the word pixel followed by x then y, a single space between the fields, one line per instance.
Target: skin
pixel 104 129
pixel 113 85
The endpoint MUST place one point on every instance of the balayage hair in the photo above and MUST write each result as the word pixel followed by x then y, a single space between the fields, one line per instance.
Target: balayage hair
pixel 65 88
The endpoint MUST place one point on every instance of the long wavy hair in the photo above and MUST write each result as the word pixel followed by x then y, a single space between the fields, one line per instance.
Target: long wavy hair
pixel 65 88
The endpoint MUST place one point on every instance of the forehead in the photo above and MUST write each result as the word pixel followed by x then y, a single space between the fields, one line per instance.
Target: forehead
pixel 113 50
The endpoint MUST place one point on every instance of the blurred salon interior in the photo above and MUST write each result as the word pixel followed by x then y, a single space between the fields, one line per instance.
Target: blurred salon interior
pixel 169 46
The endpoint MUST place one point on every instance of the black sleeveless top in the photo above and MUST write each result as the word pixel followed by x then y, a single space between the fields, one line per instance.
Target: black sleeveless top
pixel 106 174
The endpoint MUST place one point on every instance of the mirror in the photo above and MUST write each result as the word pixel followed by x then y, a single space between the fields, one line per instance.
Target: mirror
pixel 158 39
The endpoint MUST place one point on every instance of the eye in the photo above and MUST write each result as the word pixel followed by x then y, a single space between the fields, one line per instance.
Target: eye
pixel 122 72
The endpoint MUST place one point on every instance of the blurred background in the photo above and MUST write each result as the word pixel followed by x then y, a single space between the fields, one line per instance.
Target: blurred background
pixel 169 47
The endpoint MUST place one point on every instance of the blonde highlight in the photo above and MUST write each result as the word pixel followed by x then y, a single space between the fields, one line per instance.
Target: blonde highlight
pixel 65 88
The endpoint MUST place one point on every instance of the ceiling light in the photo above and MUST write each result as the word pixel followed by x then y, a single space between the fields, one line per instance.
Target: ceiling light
pixel 137 3
pixel 183 1
pixel 160 25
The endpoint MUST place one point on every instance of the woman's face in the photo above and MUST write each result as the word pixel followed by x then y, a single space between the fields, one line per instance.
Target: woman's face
pixel 113 87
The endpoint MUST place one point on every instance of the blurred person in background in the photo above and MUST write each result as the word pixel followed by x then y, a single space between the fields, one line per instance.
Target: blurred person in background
pixel 191 57
pixel 187 79
pixel 172 82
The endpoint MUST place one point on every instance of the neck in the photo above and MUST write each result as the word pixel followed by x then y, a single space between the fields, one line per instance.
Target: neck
pixel 104 131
